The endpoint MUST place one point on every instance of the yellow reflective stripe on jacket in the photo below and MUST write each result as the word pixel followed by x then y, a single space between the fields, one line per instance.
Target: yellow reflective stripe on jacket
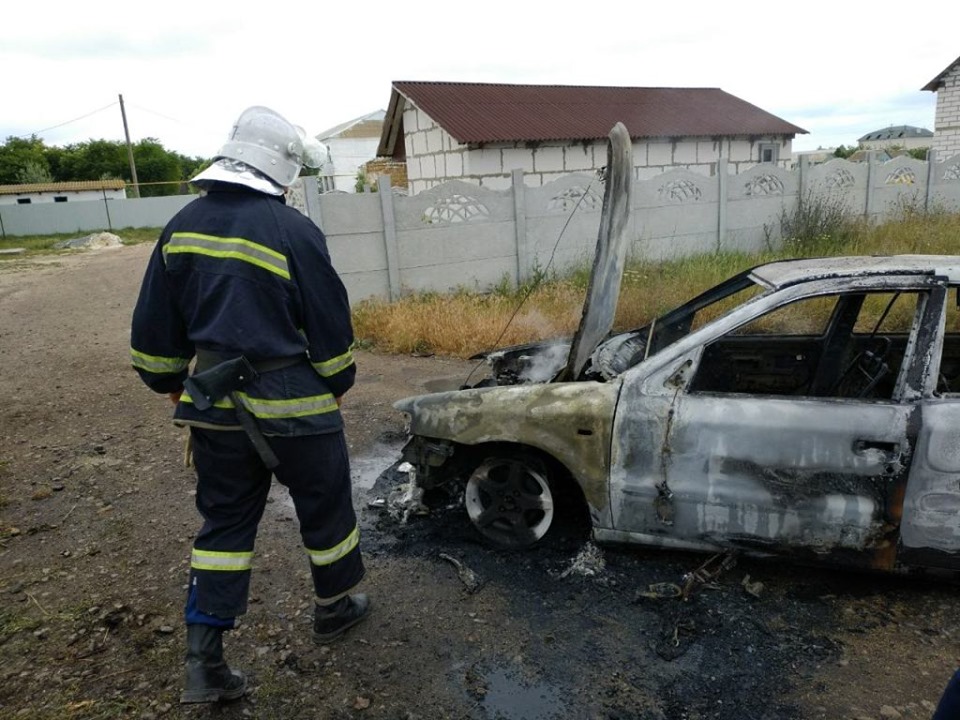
pixel 277 409
pixel 216 560
pixel 342 549
pixel 229 248
pixel 334 365
pixel 157 363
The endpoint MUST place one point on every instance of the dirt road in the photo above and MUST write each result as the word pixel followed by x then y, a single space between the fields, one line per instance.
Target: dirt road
pixel 97 519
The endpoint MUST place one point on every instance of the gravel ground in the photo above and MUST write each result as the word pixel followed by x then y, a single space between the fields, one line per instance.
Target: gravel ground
pixel 97 518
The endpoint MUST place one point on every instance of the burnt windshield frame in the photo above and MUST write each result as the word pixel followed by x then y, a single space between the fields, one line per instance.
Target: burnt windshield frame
pixel 677 323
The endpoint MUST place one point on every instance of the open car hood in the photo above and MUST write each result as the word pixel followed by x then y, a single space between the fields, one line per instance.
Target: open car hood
pixel 600 305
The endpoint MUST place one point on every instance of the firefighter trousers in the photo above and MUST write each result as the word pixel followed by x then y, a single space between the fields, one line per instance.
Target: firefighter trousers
pixel 232 488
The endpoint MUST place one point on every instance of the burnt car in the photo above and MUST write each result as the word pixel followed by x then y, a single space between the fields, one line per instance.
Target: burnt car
pixel 803 407
pixel 807 407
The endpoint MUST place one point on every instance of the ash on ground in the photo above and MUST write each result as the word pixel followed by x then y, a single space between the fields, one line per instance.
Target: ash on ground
pixel 727 652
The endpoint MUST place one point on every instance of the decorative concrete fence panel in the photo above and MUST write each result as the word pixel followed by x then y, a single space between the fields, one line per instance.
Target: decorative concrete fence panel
pixel 755 200
pixel 675 214
pixel 895 185
pixel 455 235
pixel 945 185
pixel 562 219
pixel 837 181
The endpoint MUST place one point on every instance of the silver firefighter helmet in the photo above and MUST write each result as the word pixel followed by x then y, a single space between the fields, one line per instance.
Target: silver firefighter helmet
pixel 265 140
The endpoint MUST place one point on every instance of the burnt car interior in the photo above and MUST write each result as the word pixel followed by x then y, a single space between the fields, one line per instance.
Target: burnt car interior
pixel 857 353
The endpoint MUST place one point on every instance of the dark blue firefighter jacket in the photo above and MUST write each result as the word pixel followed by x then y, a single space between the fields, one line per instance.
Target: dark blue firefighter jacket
pixel 239 272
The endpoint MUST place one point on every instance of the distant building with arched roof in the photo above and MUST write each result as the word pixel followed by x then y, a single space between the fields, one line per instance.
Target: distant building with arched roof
pixel 907 137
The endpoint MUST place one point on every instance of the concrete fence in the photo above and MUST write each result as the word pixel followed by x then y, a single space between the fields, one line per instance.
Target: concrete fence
pixel 460 235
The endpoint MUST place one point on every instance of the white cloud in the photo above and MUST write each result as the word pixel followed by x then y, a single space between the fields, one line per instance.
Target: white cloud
pixel 188 69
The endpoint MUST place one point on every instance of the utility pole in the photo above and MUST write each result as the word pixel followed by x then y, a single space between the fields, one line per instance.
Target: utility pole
pixel 133 165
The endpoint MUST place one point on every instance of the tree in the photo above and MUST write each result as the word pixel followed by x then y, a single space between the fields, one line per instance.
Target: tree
pixel 94 160
pixel 157 165
pixel 844 152
pixel 34 172
pixel 16 154
pixel 30 161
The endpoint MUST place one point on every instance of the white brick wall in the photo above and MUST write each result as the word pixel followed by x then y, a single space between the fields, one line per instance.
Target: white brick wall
pixel 455 164
pixel 708 151
pixel 419 143
pixel 740 150
pixel 685 152
pixel 413 170
pixel 946 139
pixel 410 114
pixel 434 140
pixel 428 166
pixel 496 182
pixel 578 157
pixel 517 158
pixel 548 159
pixel 480 162
pixel 659 153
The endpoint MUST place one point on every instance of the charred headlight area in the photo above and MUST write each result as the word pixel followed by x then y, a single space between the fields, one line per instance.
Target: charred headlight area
pixel 435 462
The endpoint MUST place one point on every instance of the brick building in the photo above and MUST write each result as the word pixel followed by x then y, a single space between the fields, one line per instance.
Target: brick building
pixel 946 134
pixel 480 132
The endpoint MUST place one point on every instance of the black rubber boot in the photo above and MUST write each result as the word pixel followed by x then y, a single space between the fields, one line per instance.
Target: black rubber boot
pixel 208 679
pixel 331 621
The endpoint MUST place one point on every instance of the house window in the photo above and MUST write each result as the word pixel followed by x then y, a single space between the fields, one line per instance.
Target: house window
pixel 769 152
pixel 59 198
pixel 23 201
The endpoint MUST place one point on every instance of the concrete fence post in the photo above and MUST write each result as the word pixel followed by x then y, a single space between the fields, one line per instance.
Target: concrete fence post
pixel 722 179
pixel 389 236
pixel 311 198
pixel 871 177
pixel 931 179
pixel 802 171
pixel 520 225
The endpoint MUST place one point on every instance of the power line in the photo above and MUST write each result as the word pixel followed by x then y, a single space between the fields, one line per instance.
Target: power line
pixel 185 123
pixel 59 125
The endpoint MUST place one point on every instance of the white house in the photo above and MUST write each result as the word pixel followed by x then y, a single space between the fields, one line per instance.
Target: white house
pixel 57 192
pixel 946 134
pixel 351 145
pixel 480 132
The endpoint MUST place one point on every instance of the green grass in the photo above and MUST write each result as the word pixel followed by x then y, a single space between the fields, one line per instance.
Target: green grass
pixel 43 244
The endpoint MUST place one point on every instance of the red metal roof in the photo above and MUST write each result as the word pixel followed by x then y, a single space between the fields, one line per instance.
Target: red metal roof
pixel 483 113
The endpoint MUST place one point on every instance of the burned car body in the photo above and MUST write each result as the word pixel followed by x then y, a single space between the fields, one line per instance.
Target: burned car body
pixel 819 417
pixel 803 407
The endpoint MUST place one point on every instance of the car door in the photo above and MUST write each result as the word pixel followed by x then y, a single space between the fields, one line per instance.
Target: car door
pixel 930 533
pixel 800 473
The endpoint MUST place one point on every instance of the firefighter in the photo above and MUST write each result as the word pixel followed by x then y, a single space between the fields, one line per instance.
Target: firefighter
pixel 244 284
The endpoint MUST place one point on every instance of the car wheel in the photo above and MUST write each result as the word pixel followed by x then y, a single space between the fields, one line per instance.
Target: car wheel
pixel 509 500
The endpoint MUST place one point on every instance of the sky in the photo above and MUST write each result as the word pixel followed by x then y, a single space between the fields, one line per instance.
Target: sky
pixel 838 69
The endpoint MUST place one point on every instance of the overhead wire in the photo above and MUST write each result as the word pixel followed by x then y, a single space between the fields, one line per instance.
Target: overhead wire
pixel 68 122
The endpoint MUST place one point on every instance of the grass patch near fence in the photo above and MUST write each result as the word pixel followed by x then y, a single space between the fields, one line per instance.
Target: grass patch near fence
pixel 463 323
pixel 40 244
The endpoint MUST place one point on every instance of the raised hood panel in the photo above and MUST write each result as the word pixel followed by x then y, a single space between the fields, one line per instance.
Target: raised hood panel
pixel 600 305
